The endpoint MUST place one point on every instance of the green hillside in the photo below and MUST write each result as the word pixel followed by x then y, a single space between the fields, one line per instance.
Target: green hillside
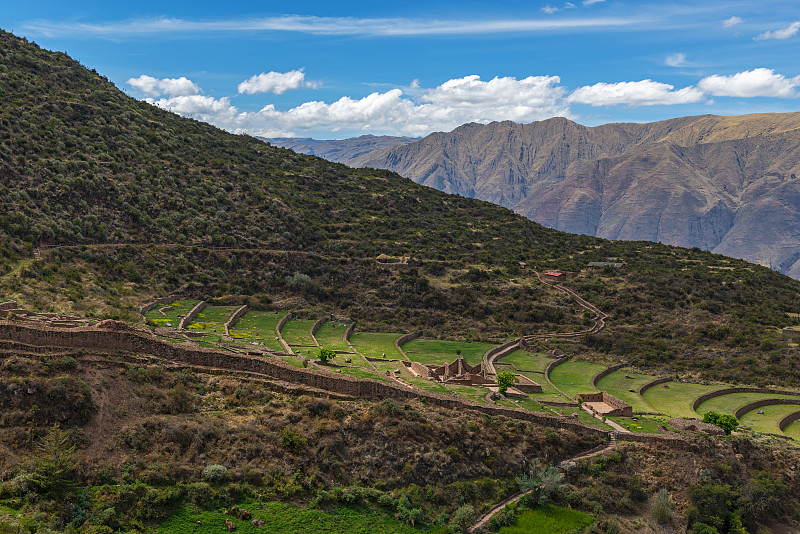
pixel 147 200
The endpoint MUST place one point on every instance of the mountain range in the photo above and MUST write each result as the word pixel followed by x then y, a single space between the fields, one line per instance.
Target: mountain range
pixel 724 184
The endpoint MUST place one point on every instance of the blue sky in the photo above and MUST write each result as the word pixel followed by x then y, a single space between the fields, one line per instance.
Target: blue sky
pixel 339 69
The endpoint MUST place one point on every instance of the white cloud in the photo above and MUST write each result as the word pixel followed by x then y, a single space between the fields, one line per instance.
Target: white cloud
pixel 550 9
pixel 784 33
pixel 641 93
pixel 326 26
pixel 590 2
pixel 731 22
pixel 276 82
pixel 676 60
pixel 153 87
pixel 752 83
pixel 445 107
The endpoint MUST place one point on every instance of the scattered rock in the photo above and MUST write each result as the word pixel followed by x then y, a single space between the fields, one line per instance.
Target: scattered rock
pixel 230 526
pixel 760 412
pixel 568 467
pixel 495 396
pixel 258 523
pixel 665 386
pixel 348 360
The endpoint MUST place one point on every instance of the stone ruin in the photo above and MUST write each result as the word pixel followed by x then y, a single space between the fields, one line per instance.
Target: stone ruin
pixel 10 311
pixel 603 404
pixel 458 372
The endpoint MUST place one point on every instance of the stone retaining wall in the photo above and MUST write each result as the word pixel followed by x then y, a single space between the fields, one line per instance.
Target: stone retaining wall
pixel 189 317
pixel 765 402
pixel 788 420
pixel 718 393
pixel 495 353
pixel 402 340
pixel 163 301
pixel 620 407
pixel 602 374
pixel 316 326
pixel 234 318
pixel 8 305
pixel 653 383
pixel 550 367
pixel 673 441
pixel 557 403
pixel 349 332
pixel 278 327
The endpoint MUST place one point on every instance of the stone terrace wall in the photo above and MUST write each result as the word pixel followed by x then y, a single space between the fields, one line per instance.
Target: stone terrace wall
pixel 718 393
pixel 200 306
pixel 602 374
pixel 402 340
pixel 495 353
pixel 233 318
pixel 527 385
pixel 163 301
pixel 788 420
pixel 653 383
pixel 765 402
pixel 349 332
pixel 129 340
pixel 278 327
pixel 673 441
pixel 419 369
pixel 316 326
pixel 621 408
pixel 10 305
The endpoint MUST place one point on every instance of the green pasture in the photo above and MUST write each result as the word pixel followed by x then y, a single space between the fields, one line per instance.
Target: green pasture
pixel 179 307
pixel 374 344
pixel 768 421
pixel 527 404
pixel 298 332
pixel 258 327
pixel 339 359
pixel 433 351
pixel 548 393
pixel 526 361
pixel 331 336
pixel 474 393
pixel 619 386
pixel 733 401
pixel 583 416
pixel 548 519
pixel 793 431
pixel 382 367
pixel 287 519
pixel 363 373
pixel 575 377
pixel 676 400
pixel 427 385
pixel 642 425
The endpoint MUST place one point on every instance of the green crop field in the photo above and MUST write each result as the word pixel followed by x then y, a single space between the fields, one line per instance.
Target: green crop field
pixel 212 319
pixel 676 400
pixel 618 385
pixel 331 336
pixel 432 351
pixel 258 327
pixel 548 519
pixel 732 402
pixel 768 421
pixel 526 361
pixel 297 332
pixel 374 344
pixel 575 377
pixel 170 315
pixel 287 519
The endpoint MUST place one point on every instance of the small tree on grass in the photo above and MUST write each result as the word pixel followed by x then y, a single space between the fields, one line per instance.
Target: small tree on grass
pixel 505 380
pixel 326 355
pixel 726 422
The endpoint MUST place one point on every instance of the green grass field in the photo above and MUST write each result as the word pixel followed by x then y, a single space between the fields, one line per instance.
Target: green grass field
pixel 477 394
pixel 382 367
pixel 288 519
pixel 427 385
pixel 793 431
pixel 374 344
pixel 768 421
pixel 619 386
pixel 170 316
pixel 575 377
pixel 297 332
pixel 432 351
pixel 364 373
pixel 732 402
pixel 677 399
pixel 258 327
pixel 526 361
pixel 331 336
pixel 548 519
pixel 212 319
pixel 646 425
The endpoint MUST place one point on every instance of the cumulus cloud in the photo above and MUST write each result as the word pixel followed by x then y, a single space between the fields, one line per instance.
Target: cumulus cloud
pixel 153 87
pixel 455 102
pixel 676 60
pixel 550 9
pixel 731 22
pixel 633 94
pixel 276 82
pixel 784 33
pixel 751 83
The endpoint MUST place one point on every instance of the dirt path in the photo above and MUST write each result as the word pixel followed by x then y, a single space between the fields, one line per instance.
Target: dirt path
pixel 484 520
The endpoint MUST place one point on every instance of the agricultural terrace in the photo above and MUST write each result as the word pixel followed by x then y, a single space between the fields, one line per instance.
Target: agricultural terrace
pixel 258 327
pixel 212 319
pixel 624 384
pixel 170 315
pixel 531 365
pixel 374 344
pixel 793 431
pixel 298 332
pixel 733 401
pixel 575 377
pixel 437 352
pixel 331 336
pixel 768 421
pixel 549 519
pixel 676 398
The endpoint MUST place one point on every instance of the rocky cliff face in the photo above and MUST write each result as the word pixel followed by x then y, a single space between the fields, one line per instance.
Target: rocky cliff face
pixel 726 184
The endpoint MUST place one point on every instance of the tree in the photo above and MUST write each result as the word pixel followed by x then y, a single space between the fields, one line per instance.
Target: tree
pixel 55 462
pixel 463 518
pixel 326 355
pixel 726 422
pixel 505 380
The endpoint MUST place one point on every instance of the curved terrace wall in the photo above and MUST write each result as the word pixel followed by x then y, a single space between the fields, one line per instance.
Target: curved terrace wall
pixel 765 402
pixel 602 374
pixel 718 393
pixel 788 420
pixel 234 318
pixel 313 331
pixel 402 340
pixel 189 317
pixel 653 383
pixel 278 327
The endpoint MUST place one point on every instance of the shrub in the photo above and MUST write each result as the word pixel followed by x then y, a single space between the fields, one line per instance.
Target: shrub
pixel 505 380
pixel 463 518
pixel 292 440
pixel 326 355
pixel 662 507
pixel 215 473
